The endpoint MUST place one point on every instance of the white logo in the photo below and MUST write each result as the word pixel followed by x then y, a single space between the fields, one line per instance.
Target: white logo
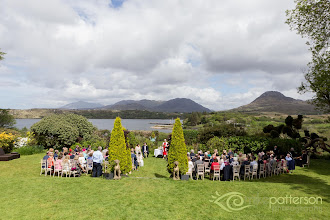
pixel 234 202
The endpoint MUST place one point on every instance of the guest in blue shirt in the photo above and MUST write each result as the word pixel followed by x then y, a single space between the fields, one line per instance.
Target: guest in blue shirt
pixel 97 162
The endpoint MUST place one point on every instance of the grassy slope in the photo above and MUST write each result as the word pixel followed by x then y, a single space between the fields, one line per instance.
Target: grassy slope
pixel 149 193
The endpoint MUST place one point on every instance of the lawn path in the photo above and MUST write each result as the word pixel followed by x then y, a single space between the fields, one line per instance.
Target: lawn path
pixel 153 168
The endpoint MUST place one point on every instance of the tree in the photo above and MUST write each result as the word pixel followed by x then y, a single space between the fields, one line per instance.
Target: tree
pixel 118 149
pixel 6 119
pixel 62 130
pixel 177 150
pixel 311 19
pixel 1 55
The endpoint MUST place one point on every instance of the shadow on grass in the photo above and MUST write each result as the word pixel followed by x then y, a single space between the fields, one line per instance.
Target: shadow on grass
pixel 318 166
pixel 157 175
pixel 307 184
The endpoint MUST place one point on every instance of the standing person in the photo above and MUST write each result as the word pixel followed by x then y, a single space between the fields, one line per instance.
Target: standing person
pixel 97 162
pixel 104 152
pixel 134 159
pixel 290 161
pixel 165 145
pixel 145 150
pixel 275 151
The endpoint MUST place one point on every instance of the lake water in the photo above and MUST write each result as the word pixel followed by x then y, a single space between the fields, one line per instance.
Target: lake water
pixel 129 124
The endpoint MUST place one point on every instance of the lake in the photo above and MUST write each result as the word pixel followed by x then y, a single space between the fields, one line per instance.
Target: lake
pixel 129 124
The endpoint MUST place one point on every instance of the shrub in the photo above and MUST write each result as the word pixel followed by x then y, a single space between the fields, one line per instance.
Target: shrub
pixel 190 136
pixel 29 150
pixel 62 130
pixel 177 150
pixel 7 141
pixel 118 149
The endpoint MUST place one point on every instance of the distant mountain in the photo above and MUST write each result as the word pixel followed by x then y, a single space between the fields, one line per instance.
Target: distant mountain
pixel 181 105
pixel 175 105
pixel 82 105
pixel 273 101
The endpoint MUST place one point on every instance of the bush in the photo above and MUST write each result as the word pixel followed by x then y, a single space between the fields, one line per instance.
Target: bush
pixel 177 150
pixel 62 130
pixel 6 119
pixel 190 136
pixel 118 149
pixel 29 150
pixel 7 141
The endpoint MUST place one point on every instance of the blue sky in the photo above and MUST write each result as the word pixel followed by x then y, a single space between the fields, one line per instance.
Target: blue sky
pixel 221 54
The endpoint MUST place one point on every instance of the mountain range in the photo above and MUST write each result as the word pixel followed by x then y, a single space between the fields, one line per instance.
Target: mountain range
pixel 271 101
pixel 181 105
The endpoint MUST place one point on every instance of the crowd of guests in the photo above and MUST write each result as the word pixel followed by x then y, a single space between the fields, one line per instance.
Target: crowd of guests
pixel 81 160
pixel 228 159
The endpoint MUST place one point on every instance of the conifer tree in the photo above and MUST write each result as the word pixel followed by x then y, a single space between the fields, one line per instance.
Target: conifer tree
pixel 178 150
pixel 118 149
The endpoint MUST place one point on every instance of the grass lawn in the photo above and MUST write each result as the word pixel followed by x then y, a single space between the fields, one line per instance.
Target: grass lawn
pixel 150 194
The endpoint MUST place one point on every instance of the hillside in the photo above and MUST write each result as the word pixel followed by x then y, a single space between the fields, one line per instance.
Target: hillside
pixel 273 101
pixel 174 105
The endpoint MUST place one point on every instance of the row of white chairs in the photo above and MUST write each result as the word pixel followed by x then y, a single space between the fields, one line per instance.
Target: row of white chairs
pixel 58 168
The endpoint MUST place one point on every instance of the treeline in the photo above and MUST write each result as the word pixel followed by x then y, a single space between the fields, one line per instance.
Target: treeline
pixel 128 114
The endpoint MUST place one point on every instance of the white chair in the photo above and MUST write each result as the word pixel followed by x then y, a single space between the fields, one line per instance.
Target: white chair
pixel 57 168
pixel 262 170
pixel 89 166
pixel 254 171
pixel 236 169
pixel 43 166
pixel 200 171
pixel 207 167
pixel 216 172
pixel 66 168
pixel 247 171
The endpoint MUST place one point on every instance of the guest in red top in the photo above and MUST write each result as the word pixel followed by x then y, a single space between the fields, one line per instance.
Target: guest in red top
pixel 215 162
pixel 50 160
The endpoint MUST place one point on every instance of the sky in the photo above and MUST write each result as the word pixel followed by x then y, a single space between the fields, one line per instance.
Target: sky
pixel 221 54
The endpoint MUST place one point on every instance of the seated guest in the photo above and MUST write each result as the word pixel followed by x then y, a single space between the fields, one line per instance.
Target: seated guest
pixel 209 154
pixel 82 161
pixel 290 162
pixel 231 158
pixel 46 156
pixel 230 153
pixel 253 163
pixel 214 163
pixel 198 161
pixel 192 154
pixel 73 154
pixel 66 164
pixel 240 157
pixel 234 162
pixel 246 161
pixel 224 155
pixel 201 153
pixel 56 154
pixel 58 164
pixel 78 167
pixel 106 157
pixel 85 153
pixel 90 156
pixel 206 158
pixel 235 153
pixel 50 160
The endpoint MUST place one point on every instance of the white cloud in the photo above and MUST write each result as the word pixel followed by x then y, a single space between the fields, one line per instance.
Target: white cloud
pixel 86 50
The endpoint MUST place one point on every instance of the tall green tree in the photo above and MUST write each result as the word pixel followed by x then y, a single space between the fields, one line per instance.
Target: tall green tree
pixel 178 149
pixel 311 19
pixel 6 119
pixel 118 149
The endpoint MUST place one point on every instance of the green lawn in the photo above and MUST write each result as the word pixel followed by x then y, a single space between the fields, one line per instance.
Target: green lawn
pixel 150 194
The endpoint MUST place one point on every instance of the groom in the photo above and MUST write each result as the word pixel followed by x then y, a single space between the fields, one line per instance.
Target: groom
pixel 145 150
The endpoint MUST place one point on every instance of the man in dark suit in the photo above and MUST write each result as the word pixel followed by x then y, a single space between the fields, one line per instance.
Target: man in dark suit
pixel 145 150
